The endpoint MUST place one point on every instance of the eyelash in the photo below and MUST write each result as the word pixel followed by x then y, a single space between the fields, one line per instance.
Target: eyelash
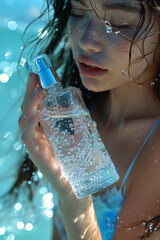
pixel 74 15
pixel 120 26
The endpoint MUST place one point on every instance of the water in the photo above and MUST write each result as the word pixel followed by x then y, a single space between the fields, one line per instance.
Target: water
pixel 12 88
pixel 80 151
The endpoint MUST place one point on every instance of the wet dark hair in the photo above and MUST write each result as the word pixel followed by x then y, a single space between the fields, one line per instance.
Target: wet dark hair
pixel 57 37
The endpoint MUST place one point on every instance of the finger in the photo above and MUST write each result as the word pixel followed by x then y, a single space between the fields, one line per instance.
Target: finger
pixel 28 134
pixel 33 80
pixel 30 107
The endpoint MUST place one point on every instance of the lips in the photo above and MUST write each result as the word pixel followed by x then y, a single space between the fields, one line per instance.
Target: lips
pixel 89 68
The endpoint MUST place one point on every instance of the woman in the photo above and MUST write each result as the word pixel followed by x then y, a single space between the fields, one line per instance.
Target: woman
pixel 113 55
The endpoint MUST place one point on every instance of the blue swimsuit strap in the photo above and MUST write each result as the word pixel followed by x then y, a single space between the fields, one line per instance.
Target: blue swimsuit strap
pixel 123 185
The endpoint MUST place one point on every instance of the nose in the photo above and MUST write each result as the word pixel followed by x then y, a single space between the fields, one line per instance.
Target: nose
pixel 91 39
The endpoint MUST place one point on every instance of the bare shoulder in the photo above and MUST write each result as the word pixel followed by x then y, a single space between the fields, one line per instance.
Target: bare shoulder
pixel 141 209
pixel 146 180
pixel 148 174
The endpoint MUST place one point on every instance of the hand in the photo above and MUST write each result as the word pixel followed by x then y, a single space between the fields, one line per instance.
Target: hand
pixel 39 147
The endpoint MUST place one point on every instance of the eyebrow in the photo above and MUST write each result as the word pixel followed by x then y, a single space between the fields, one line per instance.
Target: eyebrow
pixel 114 6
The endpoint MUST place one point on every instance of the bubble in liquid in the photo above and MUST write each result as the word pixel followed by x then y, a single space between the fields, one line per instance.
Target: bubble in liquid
pixel 13 93
pixel 17 146
pixel 49 213
pixel 29 227
pixel 14 66
pixel 43 190
pixel 8 136
pixel 18 206
pixel 4 78
pixel 8 54
pixel 2 230
pixel 10 237
pixel 94 124
pixel 20 225
pixel 23 61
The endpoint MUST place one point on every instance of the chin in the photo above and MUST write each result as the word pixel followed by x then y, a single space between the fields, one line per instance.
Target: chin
pixel 93 85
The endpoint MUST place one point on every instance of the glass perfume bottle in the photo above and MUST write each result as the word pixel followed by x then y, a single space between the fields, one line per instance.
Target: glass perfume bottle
pixel 73 134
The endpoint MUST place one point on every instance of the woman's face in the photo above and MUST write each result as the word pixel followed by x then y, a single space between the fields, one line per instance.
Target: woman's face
pixel 102 57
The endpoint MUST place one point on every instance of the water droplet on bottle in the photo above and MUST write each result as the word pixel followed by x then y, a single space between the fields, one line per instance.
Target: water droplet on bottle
pixel 94 124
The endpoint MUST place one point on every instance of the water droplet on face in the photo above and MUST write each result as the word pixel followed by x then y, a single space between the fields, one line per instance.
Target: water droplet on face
pixel 123 72
pixel 129 229
pixel 152 83
pixel 108 27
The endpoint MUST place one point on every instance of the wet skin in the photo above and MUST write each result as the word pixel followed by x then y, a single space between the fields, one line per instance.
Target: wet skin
pixel 133 111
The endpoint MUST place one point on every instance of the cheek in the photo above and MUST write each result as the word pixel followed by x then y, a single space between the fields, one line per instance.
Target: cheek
pixel 74 34
pixel 118 51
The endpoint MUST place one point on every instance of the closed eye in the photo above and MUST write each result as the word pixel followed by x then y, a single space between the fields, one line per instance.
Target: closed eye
pixel 76 13
pixel 120 26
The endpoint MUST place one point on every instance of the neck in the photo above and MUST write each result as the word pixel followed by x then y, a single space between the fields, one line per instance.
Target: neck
pixel 131 101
